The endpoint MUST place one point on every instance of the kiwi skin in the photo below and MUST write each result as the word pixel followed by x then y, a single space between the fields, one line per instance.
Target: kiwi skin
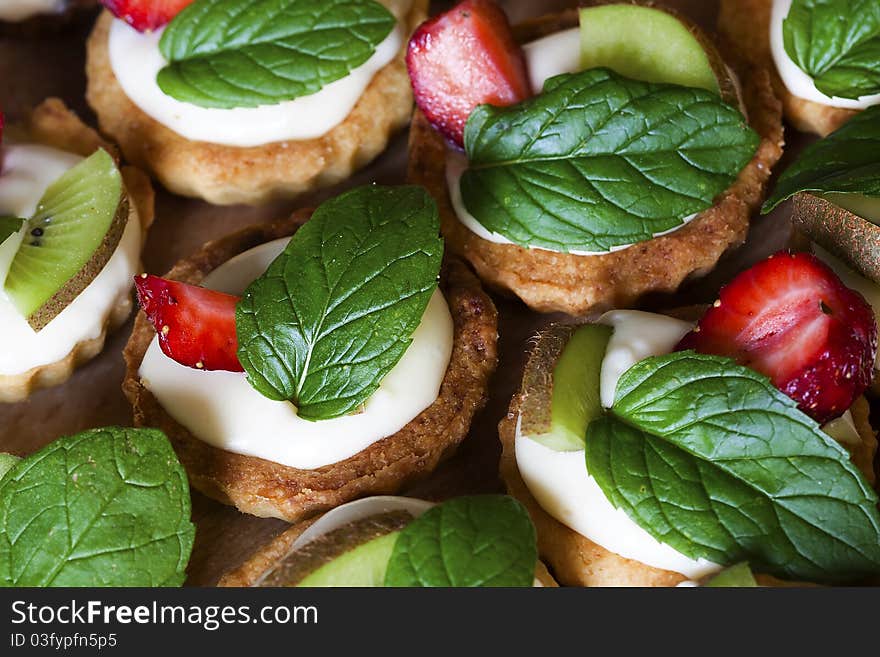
pixel 537 382
pixel 848 236
pixel 73 287
pixel 301 563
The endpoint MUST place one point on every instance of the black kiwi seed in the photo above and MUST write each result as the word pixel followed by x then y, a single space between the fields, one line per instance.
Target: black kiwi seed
pixel 37 232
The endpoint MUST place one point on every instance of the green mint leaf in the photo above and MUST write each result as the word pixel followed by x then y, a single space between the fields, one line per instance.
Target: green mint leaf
pixel 246 53
pixel 599 161
pixel 7 461
pixel 107 507
pixel 709 458
pixel 837 43
pixel 337 309
pixel 845 161
pixel 481 540
pixel 9 226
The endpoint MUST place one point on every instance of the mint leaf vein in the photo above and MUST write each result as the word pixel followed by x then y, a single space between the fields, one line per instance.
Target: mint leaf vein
pixel 708 457
pixel 599 161
pixel 245 53
pixel 336 311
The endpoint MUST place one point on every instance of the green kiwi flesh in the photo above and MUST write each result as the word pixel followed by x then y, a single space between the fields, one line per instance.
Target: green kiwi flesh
pixel 651 44
pixel 364 566
pixel 73 233
pixel 739 575
pixel 352 555
pixel 560 391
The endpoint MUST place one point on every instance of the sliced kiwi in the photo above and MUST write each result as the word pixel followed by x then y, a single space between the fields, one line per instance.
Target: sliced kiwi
pixel 739 575
pixel 655 45
pixel 852 238
pixel 76 227
pixel 560 391
pixel 352 555
pixel 866 207
pixel 363 566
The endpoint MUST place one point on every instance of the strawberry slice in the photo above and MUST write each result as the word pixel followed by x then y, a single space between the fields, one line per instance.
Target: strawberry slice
pixel 146 15
pixel 463 58
pixel 792 319
pixel 196 326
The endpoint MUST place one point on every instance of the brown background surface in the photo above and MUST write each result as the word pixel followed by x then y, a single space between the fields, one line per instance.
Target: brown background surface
pixel 52 65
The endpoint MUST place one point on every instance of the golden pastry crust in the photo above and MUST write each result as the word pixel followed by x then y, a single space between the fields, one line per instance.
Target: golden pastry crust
pixel 863 454
pixel 744 29
pixel 578 561
pixel 252 570
pixel 52 124
pixel 579 285
pixel 265 557
pixel 574 559
pixel 254 175
pixel 263 488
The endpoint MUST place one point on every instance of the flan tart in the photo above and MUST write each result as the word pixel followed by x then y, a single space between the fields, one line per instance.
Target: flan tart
pixel 74 221
pixel 296 115
pixel 364 416
pixel 561 198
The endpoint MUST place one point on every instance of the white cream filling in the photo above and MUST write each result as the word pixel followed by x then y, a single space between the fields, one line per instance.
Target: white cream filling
pixel 561 483
pixel 19 10
pixel 222 409
pixel 637 335
pixel 359 510
pixel 353 512
pixel 27 171
pixel 843 430
pixel 552 55
pixel 797 81
pixel 136 60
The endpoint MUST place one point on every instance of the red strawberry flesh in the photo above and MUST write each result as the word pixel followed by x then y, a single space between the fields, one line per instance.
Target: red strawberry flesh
pixel 463 58
pixel 146 15
pixel 196 326
pixel 792 319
